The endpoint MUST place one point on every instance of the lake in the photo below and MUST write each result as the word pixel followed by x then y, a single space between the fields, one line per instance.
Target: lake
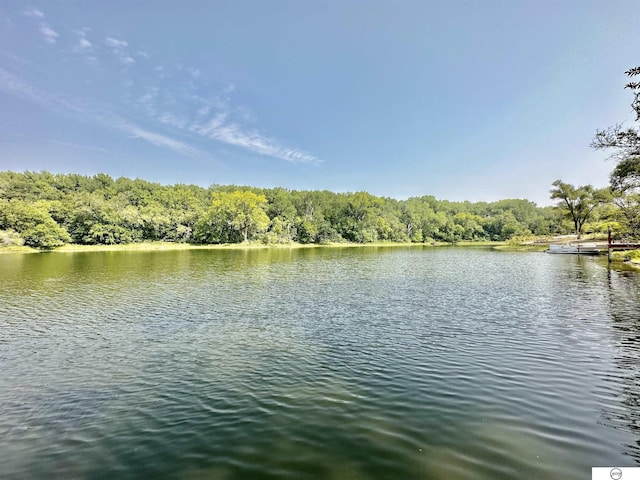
pixel 322 363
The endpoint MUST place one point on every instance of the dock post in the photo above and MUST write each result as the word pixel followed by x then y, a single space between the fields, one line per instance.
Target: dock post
pixel 609 249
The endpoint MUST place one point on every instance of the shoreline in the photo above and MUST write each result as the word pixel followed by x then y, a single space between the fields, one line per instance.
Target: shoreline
pixel 165 246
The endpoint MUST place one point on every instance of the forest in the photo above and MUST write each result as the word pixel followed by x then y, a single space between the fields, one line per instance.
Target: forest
pixel 46 210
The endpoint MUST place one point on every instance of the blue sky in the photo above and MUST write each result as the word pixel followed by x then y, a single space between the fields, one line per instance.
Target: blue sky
pixel 465 100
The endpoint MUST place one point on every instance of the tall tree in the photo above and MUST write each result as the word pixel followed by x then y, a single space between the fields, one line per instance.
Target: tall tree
pixel 624 142
pixel 625 178
pixel 233 216
pixel 579 202
pixel 625 185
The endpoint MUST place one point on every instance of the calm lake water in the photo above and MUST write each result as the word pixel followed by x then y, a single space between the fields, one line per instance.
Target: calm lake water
pixel 354 363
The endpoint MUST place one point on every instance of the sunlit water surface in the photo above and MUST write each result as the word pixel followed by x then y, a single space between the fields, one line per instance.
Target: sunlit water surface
pixel 354 363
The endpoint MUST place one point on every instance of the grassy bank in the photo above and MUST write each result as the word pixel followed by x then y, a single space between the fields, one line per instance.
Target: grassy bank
pixel 630 257
pixel 144 246
pixel 154 246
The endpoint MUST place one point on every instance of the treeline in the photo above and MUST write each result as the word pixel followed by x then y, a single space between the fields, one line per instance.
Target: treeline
pixel 46 210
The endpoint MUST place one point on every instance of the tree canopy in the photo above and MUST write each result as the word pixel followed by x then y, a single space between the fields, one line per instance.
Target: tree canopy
pixel 45 210
pixel 624 143
pixel 579 202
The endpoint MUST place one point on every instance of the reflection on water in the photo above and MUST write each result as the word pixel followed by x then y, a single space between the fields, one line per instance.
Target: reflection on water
pixel 623 412
pixel 317 363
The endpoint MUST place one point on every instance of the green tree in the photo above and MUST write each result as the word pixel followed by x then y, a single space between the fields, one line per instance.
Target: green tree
pixel 282 212
pixel 360 217
pixel 625 178
pixel 33 223
pixel 471 225
pixel 625 143
pixel 233 217
pixel 579 202
pixel 625 186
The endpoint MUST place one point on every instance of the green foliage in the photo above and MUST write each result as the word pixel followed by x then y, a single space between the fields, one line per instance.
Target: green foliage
pixel 578 202
pixel 32 222
pixel 625 178
pixel 101 210
pixel 45 235
pixel 233 217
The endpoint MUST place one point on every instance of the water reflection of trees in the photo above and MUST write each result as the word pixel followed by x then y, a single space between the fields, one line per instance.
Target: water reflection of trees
pixel 624 309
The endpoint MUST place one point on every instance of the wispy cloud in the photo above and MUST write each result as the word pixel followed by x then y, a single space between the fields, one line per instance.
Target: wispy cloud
pixel 15 86
pixel 112 42
pixel 222 129
pixel 148 100
pixel 78 146
pixel 33 13
pixel 84 46
pixel 49 34
pixel 88 110
pixel 21 137
pixel 181 109
pixel 160 140
pixel 173 120
pixel 233 134
pixel 215 119
pixel 119 50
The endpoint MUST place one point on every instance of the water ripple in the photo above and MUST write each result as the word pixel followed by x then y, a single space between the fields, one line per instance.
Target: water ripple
pixel 366 363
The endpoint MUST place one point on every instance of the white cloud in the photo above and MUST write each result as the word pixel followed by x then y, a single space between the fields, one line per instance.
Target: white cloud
pixel 224 125
pixel 13 85
pixel 160 140
pixel 232 134
pixel 161 72
pixel 204 111
pixel 75 145
pixel 115 43
pixel 119 51
pixel 148 101
pixel 209 128
pixel 88 110
pixel 33 13
pixel 50 35
pixel 84 47
pixel 172 120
